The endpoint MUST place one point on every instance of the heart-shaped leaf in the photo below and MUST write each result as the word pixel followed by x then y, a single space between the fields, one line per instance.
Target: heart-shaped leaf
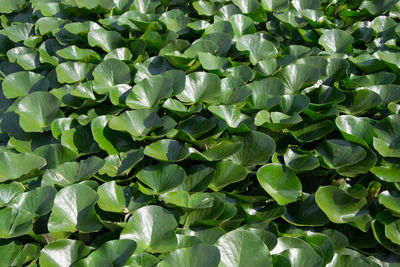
pixel 200 87
pixel 22 83
pixel 237 248
pixel 73 210
pixel 35 114
pixel 167 150
pixel 152 228
pixel 162 177
pixel 340 207
pixel 14 165
pixel 279 182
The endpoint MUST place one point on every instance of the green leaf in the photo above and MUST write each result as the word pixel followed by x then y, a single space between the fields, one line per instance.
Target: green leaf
pixel 22 83
pixel 10 5
pixel 35 112
pixel 273 5
pixel 227 173
pixel 15 165
pixel 72 72
pixel 64 252
pixel 111 253
pixel 167 150
pixel 392 232
pixel 200 87
pixel 300 161
pixel 113 197
pixel 229 113
pixel 222 150
pixel 73 210
pixel 358 102
pixel 355 129
pixel 211 62
pixel 112 72
pixel 390 200
pixel 162 177
pixel 308 132
pixel 55 154
pixel 233 91
pixel 142 259
pixel 188 201
pixel 322 244
pixel 297 76
pixel 279 182
pixel 339 153
pixel 389 174
pixel 197 178
pixel 201 255
pixel 175 20
pixel 9 191
pixel 387 136
pixel 147 93
pixel 257 46
pixel 38 201
pixel 257 148
pixel 73 172
pixel 297 251
pixel 14 223
pixel 340 207
pixel 107 40
pixel 336 41
pixel 238 248
pixel 18 32
pixel 146 6
pixel 152 228
pixel 138 123
pixel 197 126
pixel 266 93
pixel 73 52
pixel 305 212
pixel 348 257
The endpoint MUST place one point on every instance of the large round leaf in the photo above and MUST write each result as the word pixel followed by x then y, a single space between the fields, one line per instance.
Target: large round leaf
pixel 107 40
pixel 162 177
pixel 111 72
pixel 341 207
pixel 188 201
pixel 339 153
pixel 200 87
pixel 296 76
pixel 152 228
pixel 257 148
pixel 64 252
pixel 167 150
pixel 148 92
pixel 305 212
pixel 279 182
pixel 226 173
pixel 136 122
pixel 390 200
pixel 73 172
pixel 72 72
pixel 355 129
pixel 201 255
pixel 111 253
pixel 74 210
pixel 297 251
pixel 22 83
pixel 239 247
pixel 336 41
pixel 257 46
pixel 13 165
pixel 37 111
